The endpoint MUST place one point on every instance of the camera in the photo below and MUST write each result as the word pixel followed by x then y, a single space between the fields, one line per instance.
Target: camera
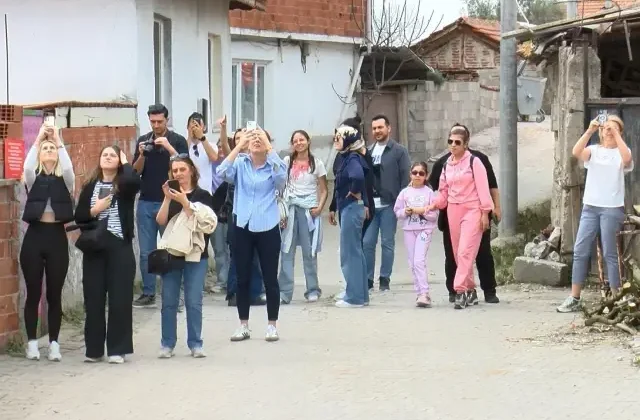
pixel 149 146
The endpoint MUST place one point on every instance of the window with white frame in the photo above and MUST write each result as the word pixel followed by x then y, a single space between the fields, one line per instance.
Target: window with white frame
pixel 162 60
pixel 248 93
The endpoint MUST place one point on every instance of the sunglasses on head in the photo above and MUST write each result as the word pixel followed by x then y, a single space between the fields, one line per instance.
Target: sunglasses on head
pixel 179 156
pixel 418 173
pixel 456 142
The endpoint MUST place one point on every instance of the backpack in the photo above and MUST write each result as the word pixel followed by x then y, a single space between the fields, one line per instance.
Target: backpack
pixel 444 169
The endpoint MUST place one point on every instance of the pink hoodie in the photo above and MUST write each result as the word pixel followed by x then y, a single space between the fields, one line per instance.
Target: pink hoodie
pixel 416 197
pixel 460 184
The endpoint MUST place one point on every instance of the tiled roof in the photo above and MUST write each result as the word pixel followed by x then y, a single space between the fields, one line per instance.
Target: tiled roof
pixel 591 7
pixel 488 29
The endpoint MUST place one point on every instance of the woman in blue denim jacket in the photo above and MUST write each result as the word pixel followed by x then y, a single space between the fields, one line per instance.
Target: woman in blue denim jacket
pixel 350 195
pixel 603 201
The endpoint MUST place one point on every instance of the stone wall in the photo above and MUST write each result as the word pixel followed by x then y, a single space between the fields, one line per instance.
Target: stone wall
pixel 433 110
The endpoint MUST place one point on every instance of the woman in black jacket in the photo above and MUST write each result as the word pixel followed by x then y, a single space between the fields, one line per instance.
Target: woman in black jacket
pixel 109 194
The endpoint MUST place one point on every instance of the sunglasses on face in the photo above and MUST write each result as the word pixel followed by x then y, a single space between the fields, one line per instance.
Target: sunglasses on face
pixel 456 142
pixel 418 173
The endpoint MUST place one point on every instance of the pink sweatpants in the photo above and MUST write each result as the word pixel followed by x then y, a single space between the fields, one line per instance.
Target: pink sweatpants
pixel 417 243
pixel 466 233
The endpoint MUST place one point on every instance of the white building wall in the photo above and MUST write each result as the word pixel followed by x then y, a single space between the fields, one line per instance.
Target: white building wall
pixel 192 22
pixel 63 50
pixel 295 99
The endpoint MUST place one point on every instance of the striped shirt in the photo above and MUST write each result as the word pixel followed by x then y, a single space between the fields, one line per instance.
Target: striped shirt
pixel 254 201
pixel 113 225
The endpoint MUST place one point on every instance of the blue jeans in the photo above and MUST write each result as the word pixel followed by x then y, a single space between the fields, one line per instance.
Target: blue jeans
pixel 193 274
pixel 352 262
pixel 384 221
pixel 300 236
pixel 221 253
pixel 148 230
pixel 257 285
pixel 608 222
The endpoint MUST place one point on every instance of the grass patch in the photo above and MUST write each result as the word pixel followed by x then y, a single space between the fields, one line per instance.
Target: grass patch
pixel 15 346
pixel 74 316
pixel 530 222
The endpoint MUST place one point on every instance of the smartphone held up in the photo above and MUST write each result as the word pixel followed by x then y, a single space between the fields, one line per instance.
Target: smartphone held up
pixel 174 185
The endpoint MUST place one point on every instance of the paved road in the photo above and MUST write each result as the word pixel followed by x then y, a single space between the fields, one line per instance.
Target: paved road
pixel 387 361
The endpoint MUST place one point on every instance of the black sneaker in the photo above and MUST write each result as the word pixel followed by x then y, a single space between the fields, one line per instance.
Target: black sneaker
pixel 452 297
pixel 472 297
pixel 491 298
pixel 461 301
pixel 370 284
pixel 145 301
pixel 384 283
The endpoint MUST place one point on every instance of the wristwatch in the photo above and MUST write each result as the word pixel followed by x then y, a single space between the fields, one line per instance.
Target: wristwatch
pixel 203 138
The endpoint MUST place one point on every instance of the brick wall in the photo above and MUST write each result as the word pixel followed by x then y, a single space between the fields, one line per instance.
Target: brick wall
pixel 335 17
pixel 9 248
pixel 434 110
pixel 464 51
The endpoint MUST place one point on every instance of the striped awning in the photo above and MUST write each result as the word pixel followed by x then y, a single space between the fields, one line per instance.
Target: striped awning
pixel 248 5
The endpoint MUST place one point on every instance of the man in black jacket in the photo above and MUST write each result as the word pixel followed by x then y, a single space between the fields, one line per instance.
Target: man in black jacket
pixel 484 259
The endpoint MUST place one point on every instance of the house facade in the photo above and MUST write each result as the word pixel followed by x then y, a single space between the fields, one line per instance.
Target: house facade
pixel 291 66
pixel 177 52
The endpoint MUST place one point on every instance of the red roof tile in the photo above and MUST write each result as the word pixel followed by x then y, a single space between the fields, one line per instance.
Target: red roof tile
pixel 591 7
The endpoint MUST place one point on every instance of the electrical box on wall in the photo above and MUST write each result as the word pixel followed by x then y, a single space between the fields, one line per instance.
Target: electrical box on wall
pixel 203 108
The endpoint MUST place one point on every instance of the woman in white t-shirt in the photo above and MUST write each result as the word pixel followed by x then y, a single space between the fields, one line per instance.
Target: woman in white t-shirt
pixel 305 195
pixel 603 203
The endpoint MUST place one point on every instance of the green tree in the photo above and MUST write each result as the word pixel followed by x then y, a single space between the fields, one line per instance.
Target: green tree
pixel 536 11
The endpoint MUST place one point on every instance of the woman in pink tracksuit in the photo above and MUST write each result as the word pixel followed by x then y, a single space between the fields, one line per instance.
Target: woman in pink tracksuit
pixel 417 225
pixel 464 191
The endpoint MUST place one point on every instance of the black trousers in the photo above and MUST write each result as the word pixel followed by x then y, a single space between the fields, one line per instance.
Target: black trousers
pixel 484 262
pixel 267 245
pixel 107 278
pixel 45 251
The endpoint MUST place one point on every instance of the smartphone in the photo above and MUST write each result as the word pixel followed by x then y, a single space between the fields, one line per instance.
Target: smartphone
pixel 174 184
pixel 50 120
pixel 251 125
pixel 104 192
pixel 602 118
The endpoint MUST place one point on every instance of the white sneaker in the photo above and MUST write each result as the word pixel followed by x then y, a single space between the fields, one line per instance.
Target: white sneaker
pixel 54 352
pixel 272 334
pixel 241 334
pixel 165 353
pixel 93 359
pixel 116 360
pixel 312 298
pixel 343 304
pixel 33 353
pixel 198 353
pixel 340 296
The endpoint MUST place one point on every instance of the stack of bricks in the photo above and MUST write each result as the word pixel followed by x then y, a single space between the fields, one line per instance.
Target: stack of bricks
pixel 10 127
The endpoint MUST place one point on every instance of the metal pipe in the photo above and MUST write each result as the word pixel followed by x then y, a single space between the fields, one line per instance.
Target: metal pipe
pixel 508 121
pixel 368 23
pixel 6 50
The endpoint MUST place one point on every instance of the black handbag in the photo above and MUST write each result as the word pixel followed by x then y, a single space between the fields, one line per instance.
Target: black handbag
pixel 161 262
pixel 93 235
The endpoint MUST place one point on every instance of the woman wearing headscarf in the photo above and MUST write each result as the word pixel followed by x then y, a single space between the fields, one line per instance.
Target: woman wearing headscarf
pixel 350 195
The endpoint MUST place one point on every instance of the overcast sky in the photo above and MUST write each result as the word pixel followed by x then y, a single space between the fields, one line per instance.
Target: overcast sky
pixel 450 10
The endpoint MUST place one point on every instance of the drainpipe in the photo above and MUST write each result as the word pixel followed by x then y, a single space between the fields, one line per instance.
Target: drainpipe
pixel 369 23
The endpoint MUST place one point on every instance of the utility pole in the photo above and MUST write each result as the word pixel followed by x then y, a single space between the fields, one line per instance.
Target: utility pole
pixel 572 9
pixel 508 121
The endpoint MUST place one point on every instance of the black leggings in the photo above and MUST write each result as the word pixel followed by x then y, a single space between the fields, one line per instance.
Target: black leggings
pixel 45 251
pixel 107 278
pixel 267 245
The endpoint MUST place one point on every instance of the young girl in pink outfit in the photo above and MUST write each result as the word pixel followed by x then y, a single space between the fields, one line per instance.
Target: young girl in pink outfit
pixel 464 191
pixel 418 223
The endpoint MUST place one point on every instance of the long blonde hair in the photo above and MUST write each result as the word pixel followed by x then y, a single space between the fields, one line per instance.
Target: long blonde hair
pixel 57 169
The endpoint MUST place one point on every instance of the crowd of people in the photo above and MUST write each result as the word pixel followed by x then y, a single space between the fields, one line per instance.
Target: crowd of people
pixel 257 208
